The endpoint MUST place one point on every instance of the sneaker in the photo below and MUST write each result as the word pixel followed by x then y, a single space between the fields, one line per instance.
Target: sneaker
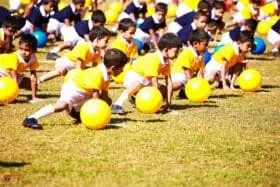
pixel 52 56
pixel 182 94
pixel 76 115
pixel 132 100
pixel 31 123
pixel 116 109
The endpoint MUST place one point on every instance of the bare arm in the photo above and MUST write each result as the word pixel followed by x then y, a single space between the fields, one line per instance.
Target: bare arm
pixel 153 37
pixel 33 83
pixel 169 86
pixel 223 75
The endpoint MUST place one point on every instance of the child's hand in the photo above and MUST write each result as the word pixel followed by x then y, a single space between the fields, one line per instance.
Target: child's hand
pixel 35 100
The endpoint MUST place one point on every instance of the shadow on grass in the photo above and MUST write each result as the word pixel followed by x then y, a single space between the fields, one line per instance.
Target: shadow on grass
pixel 153 120
pixel 13 164
pixel 224 96
pixel 270 86
pixel 183 107
pixel 121 120
pixel 261 58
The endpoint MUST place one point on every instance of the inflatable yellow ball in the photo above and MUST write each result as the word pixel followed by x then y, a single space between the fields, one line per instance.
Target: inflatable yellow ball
pixel 71 74
pixel 171 11
pixel 263 27
pixel 111 16
pixel 62 5
pixel 197 90
pixel 150 10
pixel 117 6
pixel 148 100
pixel 250 80
pixel 95 114
pixel 8 90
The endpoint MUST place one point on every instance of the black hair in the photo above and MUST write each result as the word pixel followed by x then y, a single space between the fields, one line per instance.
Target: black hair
pixel 114 57
pixel 20 22
pixel 252 24
pixel 245 36
pixel 198 36
pixel 45 2
pixel 29 40
pixel 10 21
pixel 161 7
pixel 169 40
pixel 78 1
pixel 98 32
pixel 203 5
pixel 220 5
pixel 125 24
pixel 98 16
pixel 199 14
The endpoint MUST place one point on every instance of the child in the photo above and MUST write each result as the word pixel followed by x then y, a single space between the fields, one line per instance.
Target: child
pixel 155 23
pixel 65 17
pixel 187 18
pixel 146 69
pixel 14 64
pixel 199 22
pixel 190 61
pixel 77 34
pixel 231 36
pixel 217 14
pixel 273 37
pixel 38 17
pixel 226 57
pixel 91 83
pixel 134 10
pixel 81 55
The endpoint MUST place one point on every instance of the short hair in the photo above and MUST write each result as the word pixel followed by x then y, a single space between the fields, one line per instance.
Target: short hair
pixel 45 2
pixel 219 5
pixel 78 1
pixel 198 36
pixel 125 24
pixel 98 32
pixel 252 24
pixel 161 7
pixel 169 40
pixel 204 5
pixel 10 21
pixel 199 14
pixel 98 16
pixel 114 57
pixel 29 40
pixel 245 36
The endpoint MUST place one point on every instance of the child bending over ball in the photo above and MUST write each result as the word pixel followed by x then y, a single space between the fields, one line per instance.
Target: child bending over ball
pixel 227 57
pixel 146 70
pixel 81 55
pixel 90 83
pixel 190 61
pixel 14 64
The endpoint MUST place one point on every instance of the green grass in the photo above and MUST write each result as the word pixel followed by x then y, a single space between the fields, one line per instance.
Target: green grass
pixel 232 139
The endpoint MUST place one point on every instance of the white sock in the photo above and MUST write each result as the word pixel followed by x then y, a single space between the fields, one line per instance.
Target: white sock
pixel 47 110
pixel 275 50
pixel 55 50
pixel 121 99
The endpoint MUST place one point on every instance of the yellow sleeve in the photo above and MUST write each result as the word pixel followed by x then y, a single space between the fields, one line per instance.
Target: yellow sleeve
pixel 118 45
pixel 152 69
pixel 90 79
pixel 34 65
pixel 184 59
pixel 79 52
pixel 225 53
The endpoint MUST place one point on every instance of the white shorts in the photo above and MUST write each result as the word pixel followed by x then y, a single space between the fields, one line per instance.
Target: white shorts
pixel 174 27
pixel 142 36
pixel 273 37
pixel 211 69
pixel 179 77
pixel 69 34
pixel 182 9
pixel 64 62
pixel 15 4
pixel 238 18
pixel 131 77
pixel 225 39
pixel 55 25
pixel 73 96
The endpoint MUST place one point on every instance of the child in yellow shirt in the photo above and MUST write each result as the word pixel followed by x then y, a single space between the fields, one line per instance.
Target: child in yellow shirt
pixel 190 61
pixel 227 57
pixel 14 64
pixel 90 83
pixel 81 55
pixel 146 70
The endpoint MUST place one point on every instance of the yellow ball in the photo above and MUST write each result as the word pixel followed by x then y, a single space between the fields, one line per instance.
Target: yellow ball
pixel 111 16
pixel 62 5
pixel 197 90
pixel 263 27
pixel 8 90
pixel 250 80
pixel 150 10
pixel 117 6
pixel 95 114
pixel 71 74
pixel 171 11
pixel 148 100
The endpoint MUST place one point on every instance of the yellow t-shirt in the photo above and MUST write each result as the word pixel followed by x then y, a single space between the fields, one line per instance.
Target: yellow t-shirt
pixel 85 53
pixel 130 50
pixel 189 59
pixel 269 8
pixel 13 61
pixel 95 78
pixel 151 65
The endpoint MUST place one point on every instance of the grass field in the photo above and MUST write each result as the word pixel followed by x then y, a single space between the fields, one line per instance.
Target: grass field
pixel 232 139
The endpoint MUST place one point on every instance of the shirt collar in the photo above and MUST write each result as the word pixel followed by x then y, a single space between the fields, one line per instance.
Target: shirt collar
pixel 137 4
pixel 155 19
pixel 21 60
pixel 103 69
pixel 90 24
pixel 236 48
pixel 213 16
pixel 43 12
pixel 73 8
pixel 193 26
pixel 162 61
pixel 193 51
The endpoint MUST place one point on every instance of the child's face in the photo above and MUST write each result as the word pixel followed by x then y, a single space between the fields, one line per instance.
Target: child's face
pixel 102 43
pixel 200 22
pixel 160 16
pixel 171 53
pixel 129 34
pixel 48 7
pixel 219 12
pixel 244 47
pixel 98 24
pixel 79 7
pixel 25 51
pixel 205 10
pixel 9 31
pixel 116 70
pixel 201 46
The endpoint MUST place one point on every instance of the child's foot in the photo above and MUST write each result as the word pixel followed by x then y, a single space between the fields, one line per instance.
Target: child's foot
pixel 182 94
pixel 132 100
pixel 52 56
pixel 76 115
pixel 32 123
pixel 116 109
